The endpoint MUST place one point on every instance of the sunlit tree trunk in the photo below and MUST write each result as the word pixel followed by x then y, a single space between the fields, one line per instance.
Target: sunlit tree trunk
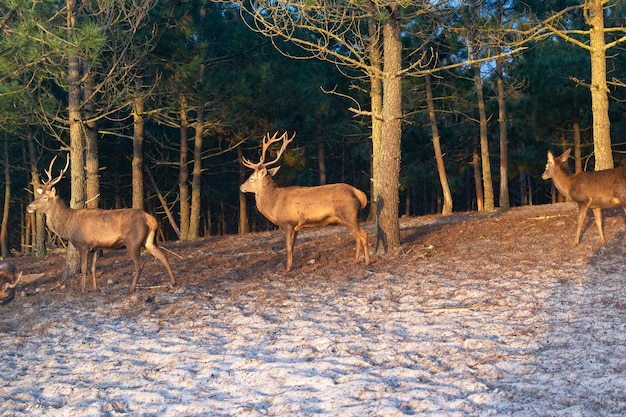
pixel 243 205
pixel 489 203
pixel 91 139
pixel 321 157
pixel 137 162
pixel 196 183
pixel 77 143
pixel 4 249
pixel 183 172
pixel 441 169
pixel 376 102
pixel 39 238
pixel 387 183
pixel 477 180
pixel 599 88
pixel 504 201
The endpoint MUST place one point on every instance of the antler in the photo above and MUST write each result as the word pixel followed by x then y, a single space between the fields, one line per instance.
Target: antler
pixel 267 142
pixel 50 182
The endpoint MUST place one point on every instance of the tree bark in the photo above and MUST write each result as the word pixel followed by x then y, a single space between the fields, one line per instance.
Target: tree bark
pixel 91 139
pixel 137 162
pixel 504 200
pixel 39 238
pixel 477 181
pixel 243 204
pixel 441 169
pixel 387 184
pixel 77 145
pixel 196 183
pixel 599 87
pixel 183 172
pixel 489 202
pixel 4 250
pixel 376 102
pixel 321 158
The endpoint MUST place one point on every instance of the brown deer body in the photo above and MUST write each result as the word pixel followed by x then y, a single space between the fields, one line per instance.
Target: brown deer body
pixel 296 208
pixel 95 229
pixel 593 190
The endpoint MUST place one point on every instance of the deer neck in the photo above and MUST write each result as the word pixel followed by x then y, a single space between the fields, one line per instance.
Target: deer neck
pixel 266 198
pixel 59 217
pixel 563 181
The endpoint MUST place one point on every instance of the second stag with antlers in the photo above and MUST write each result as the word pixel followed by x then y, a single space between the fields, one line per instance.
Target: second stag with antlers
pixel 294 208
pixel 94 229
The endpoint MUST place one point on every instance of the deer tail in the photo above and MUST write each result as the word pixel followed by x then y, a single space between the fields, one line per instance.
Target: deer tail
pixel 152 227
pixel 361 196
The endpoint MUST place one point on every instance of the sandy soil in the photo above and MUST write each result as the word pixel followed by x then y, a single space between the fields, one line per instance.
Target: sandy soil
pixel 478 315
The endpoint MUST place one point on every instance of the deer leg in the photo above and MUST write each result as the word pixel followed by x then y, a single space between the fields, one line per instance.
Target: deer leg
pixel 138 260
pixel 582 213
pixel 597 217
pixel 290 235
pixel 93 270
pixel 84 260
pixel 360 236
pixel 366 253
pixel 157 253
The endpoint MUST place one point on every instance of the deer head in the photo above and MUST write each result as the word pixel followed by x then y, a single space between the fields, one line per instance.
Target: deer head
pixel 261 168
pixel 46 191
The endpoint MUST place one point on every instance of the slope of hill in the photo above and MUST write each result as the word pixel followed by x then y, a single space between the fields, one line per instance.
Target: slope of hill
pixel 478 315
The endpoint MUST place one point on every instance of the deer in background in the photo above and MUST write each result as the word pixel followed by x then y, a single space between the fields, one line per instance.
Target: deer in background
pixel 295 208
pixel 593 190
pixel 95 229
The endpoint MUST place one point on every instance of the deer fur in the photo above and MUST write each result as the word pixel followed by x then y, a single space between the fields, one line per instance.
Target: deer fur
pixel 296 208
pixel 593 190
pixel 95 229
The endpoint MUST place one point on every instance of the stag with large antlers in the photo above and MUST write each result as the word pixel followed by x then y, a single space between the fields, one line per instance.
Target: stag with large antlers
pixel 95 229
pixel 294 208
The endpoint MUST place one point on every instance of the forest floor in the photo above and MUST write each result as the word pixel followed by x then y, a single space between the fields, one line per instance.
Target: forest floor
pixel 478 315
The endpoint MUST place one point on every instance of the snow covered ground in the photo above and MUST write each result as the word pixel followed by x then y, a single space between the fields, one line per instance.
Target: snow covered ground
pixel 478 315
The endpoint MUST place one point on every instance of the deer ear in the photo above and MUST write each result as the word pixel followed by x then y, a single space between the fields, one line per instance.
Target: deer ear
pixel 550 156
pixel 39 190
pixel 565 155
pixel 273 171
pixel 53 191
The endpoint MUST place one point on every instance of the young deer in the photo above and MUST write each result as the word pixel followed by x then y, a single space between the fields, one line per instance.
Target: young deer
pixel 94 229
pixel 593 190
pixel 294 208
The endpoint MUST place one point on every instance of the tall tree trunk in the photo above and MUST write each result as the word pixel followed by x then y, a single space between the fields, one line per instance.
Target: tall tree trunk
pixel 376 102
pixel 39 240
pixel 77 145
pixel 577 148
pixel 4 249
pixel 504 201
pixel 243 227
pixel 91 139
pixel 489 203
pixel 477 181
pixel 599 88
pixel 137 162
pixel 387 184
pixel 321 157
pixel 441 169
pixel 196 180
pixel 183 172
